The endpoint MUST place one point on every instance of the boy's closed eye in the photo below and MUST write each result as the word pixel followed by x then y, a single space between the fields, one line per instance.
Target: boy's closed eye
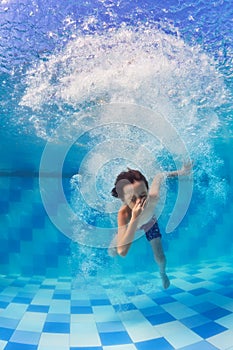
pixel 134 199
pixel 141 197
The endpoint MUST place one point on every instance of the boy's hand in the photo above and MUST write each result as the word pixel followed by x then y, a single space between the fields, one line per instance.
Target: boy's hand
pixel 138 207
pixel 186 168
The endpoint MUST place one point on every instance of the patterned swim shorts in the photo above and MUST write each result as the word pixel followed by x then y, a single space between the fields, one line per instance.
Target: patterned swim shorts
pixel 151 229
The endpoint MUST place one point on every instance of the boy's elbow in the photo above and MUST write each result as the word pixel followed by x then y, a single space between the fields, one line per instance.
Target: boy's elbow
pixel 154 196
pixel 122 251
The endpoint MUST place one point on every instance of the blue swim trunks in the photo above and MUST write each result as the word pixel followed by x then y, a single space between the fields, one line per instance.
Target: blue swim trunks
pixel 151 229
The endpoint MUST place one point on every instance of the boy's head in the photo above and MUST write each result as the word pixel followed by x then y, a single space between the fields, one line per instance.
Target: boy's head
pixel 124 191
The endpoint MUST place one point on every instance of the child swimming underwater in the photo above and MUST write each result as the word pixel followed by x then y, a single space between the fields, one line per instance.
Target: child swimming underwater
pixel 137 212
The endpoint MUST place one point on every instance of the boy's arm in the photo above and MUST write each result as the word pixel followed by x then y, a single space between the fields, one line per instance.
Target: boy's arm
pixel 185 170
pixel 127 229
pixel 125 235
pixel 158 179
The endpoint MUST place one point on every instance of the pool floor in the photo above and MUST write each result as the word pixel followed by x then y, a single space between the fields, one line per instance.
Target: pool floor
pixel 123 312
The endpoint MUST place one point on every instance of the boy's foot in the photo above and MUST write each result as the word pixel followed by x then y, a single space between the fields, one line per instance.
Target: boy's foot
pixel 165 280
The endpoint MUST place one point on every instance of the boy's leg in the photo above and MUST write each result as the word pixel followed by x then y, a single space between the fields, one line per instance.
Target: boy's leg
pixel 160 258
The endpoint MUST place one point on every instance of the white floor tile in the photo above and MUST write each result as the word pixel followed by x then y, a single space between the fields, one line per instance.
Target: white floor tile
pixel 54 340
pixel 222 341
pixel 105 313
pixel 143 301
pixel 15 311
pixel 2 344
pixel 177 334
pixel 32 321
pixel 84 334
pixel 220 300
pixel 84 318
pixel 137 326
pixel 178 310
pixel 59 307
pixel 120 347
pixel 226 321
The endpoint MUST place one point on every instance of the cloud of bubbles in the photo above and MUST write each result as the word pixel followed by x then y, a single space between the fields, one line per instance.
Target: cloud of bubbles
pixel 134 97
pixel 54 199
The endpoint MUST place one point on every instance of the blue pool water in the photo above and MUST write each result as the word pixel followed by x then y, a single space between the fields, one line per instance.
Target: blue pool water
pixel 87 89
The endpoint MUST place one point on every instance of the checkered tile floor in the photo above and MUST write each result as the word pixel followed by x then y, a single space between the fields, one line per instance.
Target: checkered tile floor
pixel 125 312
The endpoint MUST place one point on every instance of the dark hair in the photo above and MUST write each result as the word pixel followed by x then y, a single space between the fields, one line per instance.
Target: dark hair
pixel 124 178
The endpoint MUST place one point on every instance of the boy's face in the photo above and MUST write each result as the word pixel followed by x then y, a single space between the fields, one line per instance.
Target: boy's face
pixel 134 191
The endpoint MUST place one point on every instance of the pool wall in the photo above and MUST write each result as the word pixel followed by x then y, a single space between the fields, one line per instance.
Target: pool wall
pixel 31 245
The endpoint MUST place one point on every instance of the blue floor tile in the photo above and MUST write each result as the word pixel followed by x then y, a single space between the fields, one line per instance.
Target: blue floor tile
pixel 223 280
pixel 3 304
pixel 38 308
pixel 56 327
pixel 160 318
pixel 18 346
pixel 216 267
pixel 22 300
pixel 225 291
pixel 47 286
pixel 209 329
pixel 194 280
pixel 36 281
pixel 61 297
pixel 204 306
pixel 216 313
pixel 174 290
pixel 153 310
pixel 86 348
pixel 6 333
pixel 164 300
pixel 115 338
pixel 202 345
pixel 6 322
pixel 95 302
pixel 159 343
pixel 18 283
pixel 195 321
pixel 81 310
pixel 199 291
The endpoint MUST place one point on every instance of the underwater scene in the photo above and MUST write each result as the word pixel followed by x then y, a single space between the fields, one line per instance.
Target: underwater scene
pixel 91 89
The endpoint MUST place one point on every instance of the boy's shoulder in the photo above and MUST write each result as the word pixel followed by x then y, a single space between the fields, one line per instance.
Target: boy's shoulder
pixel 124 212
